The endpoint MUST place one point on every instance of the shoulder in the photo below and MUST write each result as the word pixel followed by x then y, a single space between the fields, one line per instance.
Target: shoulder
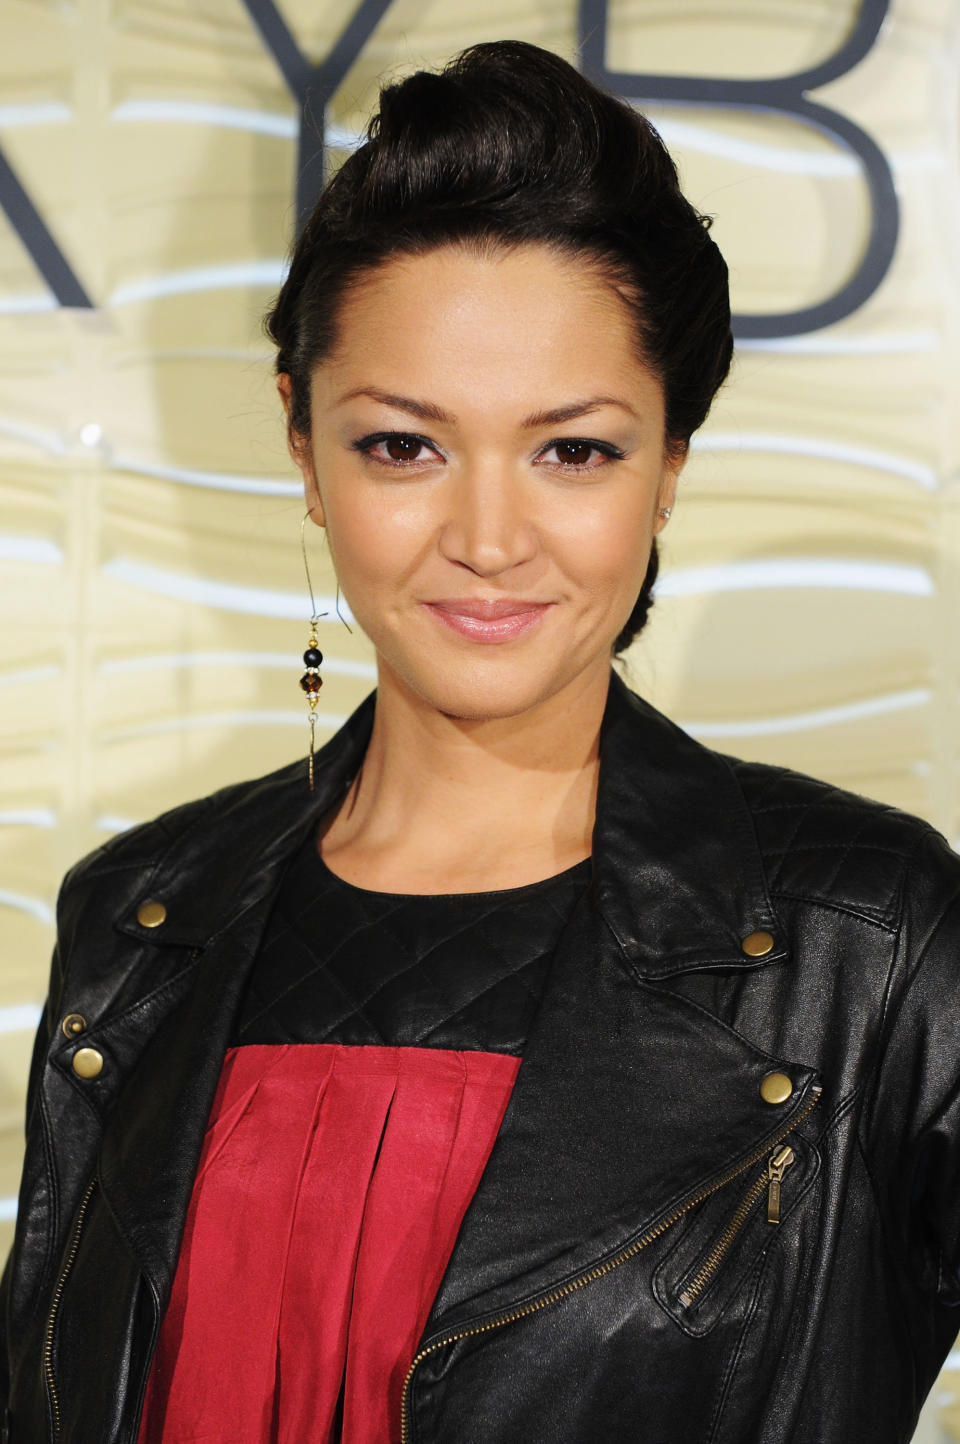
pixel 141 848
pixel 826 844
pixel 203 853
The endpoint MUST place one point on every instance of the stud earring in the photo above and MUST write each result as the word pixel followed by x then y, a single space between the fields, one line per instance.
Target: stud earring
pixel 311 681
pixel 665 512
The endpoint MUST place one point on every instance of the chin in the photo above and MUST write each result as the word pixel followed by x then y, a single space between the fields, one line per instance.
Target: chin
pixel 483 694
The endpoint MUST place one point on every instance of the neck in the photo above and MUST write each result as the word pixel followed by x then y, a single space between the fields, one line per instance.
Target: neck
pixel 444 804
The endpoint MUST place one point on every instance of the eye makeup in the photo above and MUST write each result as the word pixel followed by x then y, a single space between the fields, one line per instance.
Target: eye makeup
pixel 364 445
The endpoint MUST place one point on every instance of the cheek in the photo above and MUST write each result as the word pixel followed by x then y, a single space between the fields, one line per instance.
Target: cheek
pixel 605 549
pixel 374 537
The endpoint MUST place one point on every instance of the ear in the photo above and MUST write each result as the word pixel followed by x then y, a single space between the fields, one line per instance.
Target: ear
pixel 674 462
pixel 300 452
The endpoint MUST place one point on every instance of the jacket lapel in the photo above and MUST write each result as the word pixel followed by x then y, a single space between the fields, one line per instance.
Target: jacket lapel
pixel 629 1098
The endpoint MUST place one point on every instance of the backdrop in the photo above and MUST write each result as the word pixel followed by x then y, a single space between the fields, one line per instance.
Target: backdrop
pixel 153 155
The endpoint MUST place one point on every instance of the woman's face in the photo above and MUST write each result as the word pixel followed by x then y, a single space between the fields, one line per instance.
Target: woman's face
pixel 487 456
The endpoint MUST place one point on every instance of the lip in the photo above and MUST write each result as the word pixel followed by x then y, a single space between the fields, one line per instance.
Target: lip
pixel 494 621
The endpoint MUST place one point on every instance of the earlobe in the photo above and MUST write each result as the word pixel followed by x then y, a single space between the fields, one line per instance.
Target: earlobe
pixel 667 493
pixel 299 449
pixel 665 504
pixel 314 504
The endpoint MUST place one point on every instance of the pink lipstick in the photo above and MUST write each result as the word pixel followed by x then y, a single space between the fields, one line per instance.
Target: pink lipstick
pixel 488 622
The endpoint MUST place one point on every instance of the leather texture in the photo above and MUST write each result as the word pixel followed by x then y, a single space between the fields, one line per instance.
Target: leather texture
pixel 342 964
pixel 635 1136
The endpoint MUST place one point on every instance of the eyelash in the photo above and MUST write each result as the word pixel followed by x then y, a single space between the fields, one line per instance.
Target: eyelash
pixel 365 444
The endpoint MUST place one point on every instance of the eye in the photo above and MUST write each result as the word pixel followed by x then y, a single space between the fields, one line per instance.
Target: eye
pixel 395 448
pixel 580 453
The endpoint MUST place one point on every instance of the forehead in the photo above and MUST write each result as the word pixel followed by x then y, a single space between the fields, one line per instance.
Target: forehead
pixel 498 325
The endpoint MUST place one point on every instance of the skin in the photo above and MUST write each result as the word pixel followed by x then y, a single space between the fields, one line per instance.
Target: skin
pixel 481 771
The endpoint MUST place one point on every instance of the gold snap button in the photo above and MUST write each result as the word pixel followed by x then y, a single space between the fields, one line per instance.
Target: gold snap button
pixel 776 1088
pixel 150 914
pixel 73 1024
pixel 757 945
pixel 87 1062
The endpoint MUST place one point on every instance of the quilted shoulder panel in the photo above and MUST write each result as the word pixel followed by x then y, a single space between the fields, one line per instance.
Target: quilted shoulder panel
pixel 825 844
pixel 144 844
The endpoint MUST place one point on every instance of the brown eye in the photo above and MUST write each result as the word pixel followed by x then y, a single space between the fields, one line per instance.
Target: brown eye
pixel 402 448
pixel 574 453
pixel 579 454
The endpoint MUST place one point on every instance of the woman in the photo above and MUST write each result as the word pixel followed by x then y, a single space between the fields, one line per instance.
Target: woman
pixel 523 1070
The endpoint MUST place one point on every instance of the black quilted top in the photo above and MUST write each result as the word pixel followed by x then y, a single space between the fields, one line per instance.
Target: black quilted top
pixel 341 964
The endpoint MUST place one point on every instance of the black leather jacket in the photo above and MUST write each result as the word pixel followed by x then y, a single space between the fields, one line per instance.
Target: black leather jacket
pixel 617 1276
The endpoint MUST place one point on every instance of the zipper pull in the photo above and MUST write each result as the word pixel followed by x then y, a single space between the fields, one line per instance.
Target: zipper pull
pixel 776 1168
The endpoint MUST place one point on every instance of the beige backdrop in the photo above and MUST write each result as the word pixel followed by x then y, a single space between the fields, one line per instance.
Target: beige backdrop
pixel 153 606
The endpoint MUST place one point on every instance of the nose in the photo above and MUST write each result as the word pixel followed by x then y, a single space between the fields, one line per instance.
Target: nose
pixel 488 528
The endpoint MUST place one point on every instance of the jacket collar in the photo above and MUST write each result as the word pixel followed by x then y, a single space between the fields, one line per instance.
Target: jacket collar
pixel 678 874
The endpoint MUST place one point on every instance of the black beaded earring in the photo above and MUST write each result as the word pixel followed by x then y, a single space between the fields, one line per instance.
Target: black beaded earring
pixel 311 681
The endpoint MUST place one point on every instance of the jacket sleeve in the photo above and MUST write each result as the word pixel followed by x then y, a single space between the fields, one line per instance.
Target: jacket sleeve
pixel 139 847
pixel 33 1129
pixel 911 1133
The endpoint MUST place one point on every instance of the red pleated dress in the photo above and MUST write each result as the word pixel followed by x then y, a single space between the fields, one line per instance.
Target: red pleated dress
pixel 370 1067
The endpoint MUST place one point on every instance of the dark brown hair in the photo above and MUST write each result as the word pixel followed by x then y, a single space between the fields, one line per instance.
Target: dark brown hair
pixel 510 144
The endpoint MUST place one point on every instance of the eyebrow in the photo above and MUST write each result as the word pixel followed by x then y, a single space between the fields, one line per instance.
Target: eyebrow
pixel 428 411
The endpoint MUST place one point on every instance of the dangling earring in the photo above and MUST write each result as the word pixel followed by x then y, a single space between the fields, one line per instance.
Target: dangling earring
pixel 311 681
pixel 339 613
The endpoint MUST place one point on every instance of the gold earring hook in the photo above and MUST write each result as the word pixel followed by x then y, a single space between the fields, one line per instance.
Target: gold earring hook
pixel 314 614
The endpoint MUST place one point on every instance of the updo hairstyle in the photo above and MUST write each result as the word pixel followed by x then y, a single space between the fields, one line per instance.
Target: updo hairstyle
pixel 510 144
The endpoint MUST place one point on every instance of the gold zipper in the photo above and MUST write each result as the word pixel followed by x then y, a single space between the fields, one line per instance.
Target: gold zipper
pixel 54 1307
pixel 545 1300
pixel 767 1183
pixel 776 1168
